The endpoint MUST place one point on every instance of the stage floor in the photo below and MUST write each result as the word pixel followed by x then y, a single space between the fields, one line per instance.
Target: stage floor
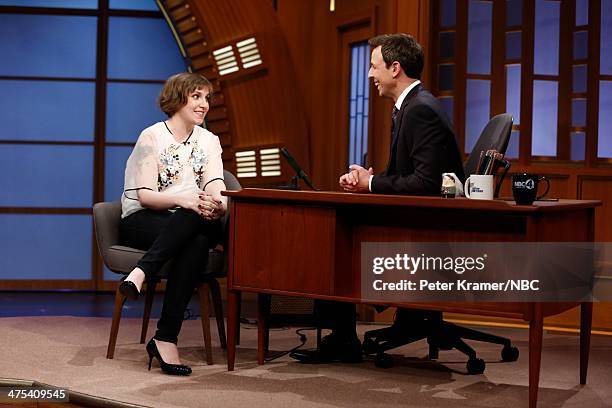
pixel 69 351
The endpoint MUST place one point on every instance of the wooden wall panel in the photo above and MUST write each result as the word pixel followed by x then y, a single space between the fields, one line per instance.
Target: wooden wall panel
pixel 314 36
pixel 298 24
pixel 261 106
pixel 602 317
pixel 253 129
pixel 313 44
pixel 599 188
pixel 414 18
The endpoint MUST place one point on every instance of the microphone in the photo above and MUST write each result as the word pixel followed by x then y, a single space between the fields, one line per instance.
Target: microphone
pixel 298 170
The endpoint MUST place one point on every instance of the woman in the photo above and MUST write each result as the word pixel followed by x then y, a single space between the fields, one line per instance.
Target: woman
pixel 171 206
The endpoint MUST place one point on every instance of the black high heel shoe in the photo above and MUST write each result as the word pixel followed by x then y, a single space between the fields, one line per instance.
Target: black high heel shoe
pixel 172 369
pixel 129 290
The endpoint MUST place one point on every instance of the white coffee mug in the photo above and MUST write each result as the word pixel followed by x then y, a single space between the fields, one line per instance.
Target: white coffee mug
pixel 479 187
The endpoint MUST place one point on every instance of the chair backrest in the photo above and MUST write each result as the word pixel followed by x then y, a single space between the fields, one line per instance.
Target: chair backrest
pixel 495 135
pixel 106 217
pixel 231 183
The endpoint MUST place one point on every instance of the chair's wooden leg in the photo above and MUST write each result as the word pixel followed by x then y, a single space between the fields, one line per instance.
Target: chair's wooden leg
pixel 203 292
pixel 586 317
pixel 112 341
pixel 215 292
pixel 239 311
pixel 149 294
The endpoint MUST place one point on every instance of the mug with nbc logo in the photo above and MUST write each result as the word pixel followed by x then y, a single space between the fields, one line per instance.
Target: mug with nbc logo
pixel 525 188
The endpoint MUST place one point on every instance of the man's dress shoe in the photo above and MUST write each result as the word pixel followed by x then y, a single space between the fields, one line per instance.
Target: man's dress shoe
pixel 333 348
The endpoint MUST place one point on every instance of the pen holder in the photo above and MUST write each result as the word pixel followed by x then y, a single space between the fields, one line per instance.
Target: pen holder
pixel 506 164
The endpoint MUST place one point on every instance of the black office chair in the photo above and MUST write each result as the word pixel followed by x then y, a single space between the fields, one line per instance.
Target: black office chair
pixel 443 335
pixel 495 135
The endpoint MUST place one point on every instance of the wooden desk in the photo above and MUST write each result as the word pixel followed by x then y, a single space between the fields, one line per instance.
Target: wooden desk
pixel 303 243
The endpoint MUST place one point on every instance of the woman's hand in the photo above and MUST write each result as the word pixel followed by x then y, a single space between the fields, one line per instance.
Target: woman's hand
pixel 208 206
pixel 221 208
pixel 191 201
pixel 212 207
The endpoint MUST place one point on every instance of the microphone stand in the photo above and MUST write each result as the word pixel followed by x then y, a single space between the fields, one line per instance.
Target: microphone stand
pixel 293 184
pixel 299 172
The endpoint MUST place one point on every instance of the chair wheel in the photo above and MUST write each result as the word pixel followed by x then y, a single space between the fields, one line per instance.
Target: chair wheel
pixel 383 360
pixel 510 353
pixel 475 366
pixel 369 346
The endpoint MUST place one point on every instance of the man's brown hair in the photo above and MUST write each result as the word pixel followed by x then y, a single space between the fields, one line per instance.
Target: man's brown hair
pixel 177 89
pixel 402 48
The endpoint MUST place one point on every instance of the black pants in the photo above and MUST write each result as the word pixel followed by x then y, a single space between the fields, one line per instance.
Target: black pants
pixel 338 316
pixel 183 236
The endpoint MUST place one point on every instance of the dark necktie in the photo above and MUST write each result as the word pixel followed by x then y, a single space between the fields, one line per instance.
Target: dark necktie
pixel 394 115
pixel 393 121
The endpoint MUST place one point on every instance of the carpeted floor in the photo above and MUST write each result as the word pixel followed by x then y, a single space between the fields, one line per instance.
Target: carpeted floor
pixel 70 352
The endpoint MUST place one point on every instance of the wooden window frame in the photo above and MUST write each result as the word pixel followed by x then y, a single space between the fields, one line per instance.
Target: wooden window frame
pixel 498 81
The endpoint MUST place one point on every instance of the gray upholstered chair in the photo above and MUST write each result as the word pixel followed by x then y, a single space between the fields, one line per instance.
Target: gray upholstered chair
pixel 121 259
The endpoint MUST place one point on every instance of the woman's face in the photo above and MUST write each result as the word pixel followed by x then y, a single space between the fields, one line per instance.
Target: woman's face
pixel 196 108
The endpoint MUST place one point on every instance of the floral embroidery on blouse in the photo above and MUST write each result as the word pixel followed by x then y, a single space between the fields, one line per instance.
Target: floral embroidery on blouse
pixel 198 160
pixel 169 167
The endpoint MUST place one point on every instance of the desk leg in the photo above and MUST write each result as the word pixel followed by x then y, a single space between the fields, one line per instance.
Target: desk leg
pixel 586 317
pixel 535 354
pixel 232 319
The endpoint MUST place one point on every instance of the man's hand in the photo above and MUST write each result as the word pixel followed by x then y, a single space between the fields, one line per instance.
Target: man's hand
pixel 357 180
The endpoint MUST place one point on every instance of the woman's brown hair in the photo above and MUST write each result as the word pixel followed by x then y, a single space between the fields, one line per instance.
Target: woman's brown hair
pixel 178 87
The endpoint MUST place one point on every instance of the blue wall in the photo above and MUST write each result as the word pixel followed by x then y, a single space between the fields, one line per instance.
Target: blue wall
pixel 48 133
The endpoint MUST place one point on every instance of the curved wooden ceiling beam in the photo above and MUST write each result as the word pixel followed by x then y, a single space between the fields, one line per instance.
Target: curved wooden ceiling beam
pixel 255 106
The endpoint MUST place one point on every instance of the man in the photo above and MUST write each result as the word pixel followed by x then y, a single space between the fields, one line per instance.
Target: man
pixel 423 143
pixel 423 146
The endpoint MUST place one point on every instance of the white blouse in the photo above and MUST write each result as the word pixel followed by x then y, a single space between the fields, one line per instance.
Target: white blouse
pixel 161 164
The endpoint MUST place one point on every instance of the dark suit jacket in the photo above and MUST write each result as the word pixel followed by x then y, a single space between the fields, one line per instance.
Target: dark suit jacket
pixel 423 147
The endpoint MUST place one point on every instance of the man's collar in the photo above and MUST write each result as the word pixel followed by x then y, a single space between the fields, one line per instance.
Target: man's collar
pixel 398 103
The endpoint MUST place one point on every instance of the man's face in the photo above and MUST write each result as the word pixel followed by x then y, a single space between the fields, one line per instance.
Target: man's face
pixel 382 76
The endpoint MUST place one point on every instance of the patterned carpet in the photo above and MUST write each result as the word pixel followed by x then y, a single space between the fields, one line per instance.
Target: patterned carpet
pixel 70 352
